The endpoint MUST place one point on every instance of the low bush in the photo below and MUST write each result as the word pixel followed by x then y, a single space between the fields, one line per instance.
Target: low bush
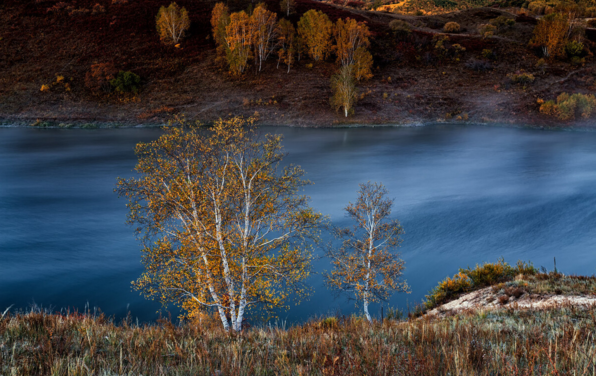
pixel 448 288
pixel 569 107
pixel 481 276
pixel 502 22
pixel 488 54
pixel 99 76
pixel 521 78
pixel 487 30
pixel 401 29
pixel 126 82
pixel 451 27
pixel 574 48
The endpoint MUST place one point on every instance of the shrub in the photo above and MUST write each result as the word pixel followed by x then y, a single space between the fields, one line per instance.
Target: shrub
pixel 99 76
pixel 451 27
pixel 172 22
pixel 502 22
pixel 400 28
pixel 569 107
pixel 488 54
pixel 448 288
pixel 574 48
pixel 126 82
pixel 479 65
pixel 487 30
pixel 329 323
pixel 98 9
pixel 521 78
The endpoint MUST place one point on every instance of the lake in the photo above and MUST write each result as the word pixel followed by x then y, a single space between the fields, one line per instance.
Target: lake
pixel 464 195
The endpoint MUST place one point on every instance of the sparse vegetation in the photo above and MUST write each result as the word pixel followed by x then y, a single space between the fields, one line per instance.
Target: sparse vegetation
pixel 570 107
pixel 451 27
pixel 473 279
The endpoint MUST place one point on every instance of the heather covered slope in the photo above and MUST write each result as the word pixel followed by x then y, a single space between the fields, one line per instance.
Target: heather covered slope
pixel 412 82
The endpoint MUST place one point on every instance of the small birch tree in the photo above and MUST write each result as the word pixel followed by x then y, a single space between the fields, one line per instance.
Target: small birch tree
pixel 365 264
pixel 264 26
pixel 286 39
pixel 172 23
pixel 220 19
pixel 223 228
pixel 344 89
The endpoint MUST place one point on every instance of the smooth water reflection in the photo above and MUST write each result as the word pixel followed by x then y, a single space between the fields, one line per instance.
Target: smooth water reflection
pixel 463 194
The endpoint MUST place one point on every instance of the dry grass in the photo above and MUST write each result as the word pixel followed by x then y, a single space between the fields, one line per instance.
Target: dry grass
pixel 551 342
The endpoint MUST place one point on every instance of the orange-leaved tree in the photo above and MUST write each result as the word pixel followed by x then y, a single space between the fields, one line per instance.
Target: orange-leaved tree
pixel 315 29
pixel 223 226
pixel 351 41
pixel 286 36
pixel 239 38
pixel 220 19
pixel 344 89
pixel 349 36
pixel 551 34
pixel 365 263
pixel 172 23
pixel 264 26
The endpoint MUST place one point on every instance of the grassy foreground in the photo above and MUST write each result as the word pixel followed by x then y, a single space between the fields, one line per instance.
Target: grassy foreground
pixel 558 341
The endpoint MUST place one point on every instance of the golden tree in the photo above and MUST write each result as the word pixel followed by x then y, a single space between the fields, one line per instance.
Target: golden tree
pixel 315 29
pixel 363 62
pixel 287 6
pixel 172 23
pixel 239 41
pixel 223 228
pixel 344 89
pixel 220 19
pixel 286 35
pixel 365 264
pixel 349 36
pixel 264 28
pixel 551 34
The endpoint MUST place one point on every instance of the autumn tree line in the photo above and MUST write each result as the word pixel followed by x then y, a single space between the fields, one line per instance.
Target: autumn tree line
pixel 252 37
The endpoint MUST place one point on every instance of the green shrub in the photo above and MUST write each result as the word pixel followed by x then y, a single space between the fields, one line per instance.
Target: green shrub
pixel 400 28
pixel 574 48
pixel 329 323
pixel 502 22
pixel 521 78
pixel 448 288
pixel 473 279
pixel 570 107
pixel 488 54
pixel 126 82
pixel 451 27
pixel 487 30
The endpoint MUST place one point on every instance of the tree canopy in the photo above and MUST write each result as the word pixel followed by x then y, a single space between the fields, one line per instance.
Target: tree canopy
pixel 222 225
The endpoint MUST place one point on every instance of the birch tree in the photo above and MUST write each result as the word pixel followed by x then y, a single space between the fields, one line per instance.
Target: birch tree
pixel 287 6
pixel 264 26
pixel 349 36
pixel 239 41
pixel 223 228
pixel 220 19
pixel 344 90
pixel 366 263
pixel 287 42
pixel 172 23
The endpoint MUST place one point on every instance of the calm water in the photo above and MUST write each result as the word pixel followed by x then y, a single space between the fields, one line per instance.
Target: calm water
pixel 463 194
